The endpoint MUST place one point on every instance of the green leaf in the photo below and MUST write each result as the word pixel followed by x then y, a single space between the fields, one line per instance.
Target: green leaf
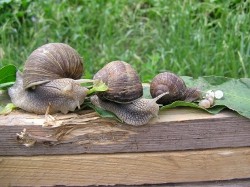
pixel 179 103
pixel 103 113
pixel 236 91
pixel 98 86
pixel 7 76
pixel 236 95
pixel 7 109
pixel 213 110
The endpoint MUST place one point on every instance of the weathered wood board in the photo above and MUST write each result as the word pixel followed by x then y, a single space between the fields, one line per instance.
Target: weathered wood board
pixel 175 129
pixel 183 146
pixel 126 168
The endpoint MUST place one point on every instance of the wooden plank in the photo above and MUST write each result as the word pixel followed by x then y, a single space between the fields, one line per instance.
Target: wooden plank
pixel 126 168
pixel 179 129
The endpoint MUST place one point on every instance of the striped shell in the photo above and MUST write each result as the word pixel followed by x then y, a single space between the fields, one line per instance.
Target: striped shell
pixel 122 80
pixel 52 61
pixel 168 82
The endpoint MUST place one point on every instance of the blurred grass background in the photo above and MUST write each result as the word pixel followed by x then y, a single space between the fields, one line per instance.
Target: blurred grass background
pixel 188 37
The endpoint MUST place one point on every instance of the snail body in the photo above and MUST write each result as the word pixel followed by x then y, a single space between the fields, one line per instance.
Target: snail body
pixel 136 113
pixel 123 82
pixel 175 86
pixel 44 83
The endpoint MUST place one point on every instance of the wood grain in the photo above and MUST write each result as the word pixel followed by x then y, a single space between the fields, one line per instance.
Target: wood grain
pixel 179 129
pixel 126 168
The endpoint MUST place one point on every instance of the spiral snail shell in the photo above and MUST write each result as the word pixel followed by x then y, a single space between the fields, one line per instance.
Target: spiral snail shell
pixel 123 82
pixel 174 85
pixel 52 61
pixel 47 81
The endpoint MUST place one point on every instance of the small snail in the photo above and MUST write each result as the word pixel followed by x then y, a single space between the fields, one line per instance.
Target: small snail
pixel 175 86
pixel 47 80
pixel 123 97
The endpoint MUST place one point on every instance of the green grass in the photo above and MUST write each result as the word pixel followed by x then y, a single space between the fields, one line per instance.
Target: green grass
pixel 188 37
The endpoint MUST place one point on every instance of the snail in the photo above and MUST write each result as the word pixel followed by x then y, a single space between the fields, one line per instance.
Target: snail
pixel 124 93
pixel 175 86
pixel 48 81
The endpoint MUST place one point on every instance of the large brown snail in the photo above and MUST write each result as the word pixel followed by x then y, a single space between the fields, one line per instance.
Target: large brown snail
pixel 48 80
pixel 175 86
pixel 123 97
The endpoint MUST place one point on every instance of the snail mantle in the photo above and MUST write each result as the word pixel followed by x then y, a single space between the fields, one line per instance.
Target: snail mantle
pixel 79 149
